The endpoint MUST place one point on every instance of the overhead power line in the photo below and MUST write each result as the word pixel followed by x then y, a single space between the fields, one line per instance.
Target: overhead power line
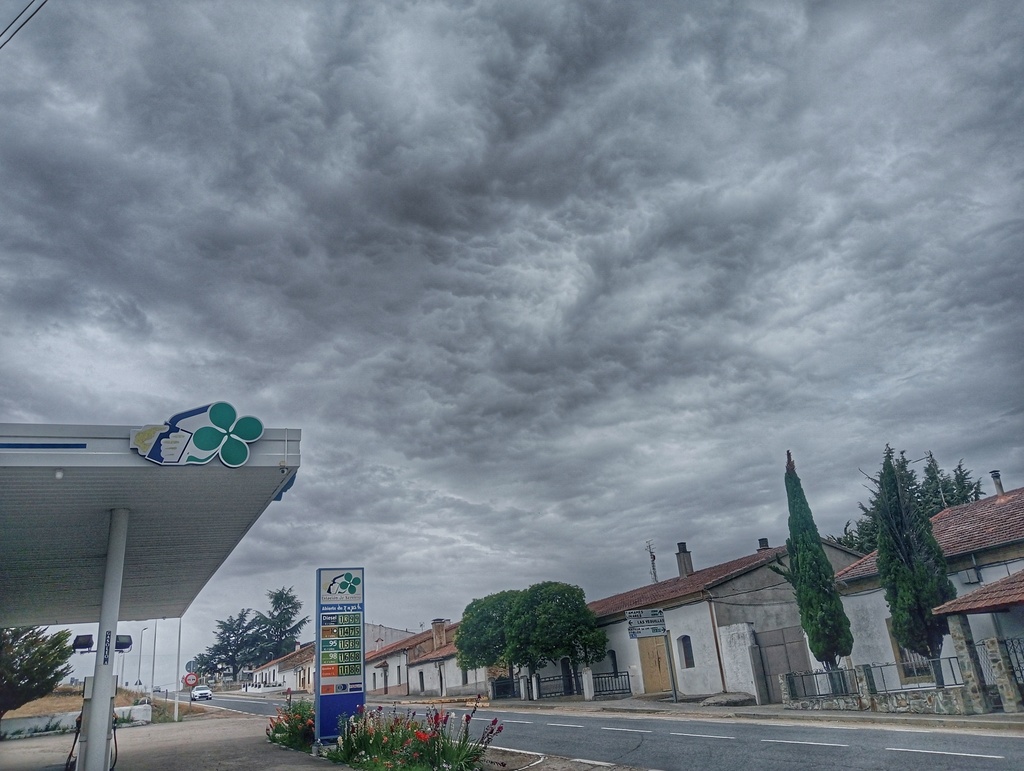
pixel 15 21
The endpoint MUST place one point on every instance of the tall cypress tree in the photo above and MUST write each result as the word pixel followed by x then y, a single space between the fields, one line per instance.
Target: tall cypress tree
pixel 821 610
pixel 911 566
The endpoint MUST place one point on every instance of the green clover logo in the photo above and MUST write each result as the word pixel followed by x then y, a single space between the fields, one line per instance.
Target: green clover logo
pixel 345 584
pixel 229 435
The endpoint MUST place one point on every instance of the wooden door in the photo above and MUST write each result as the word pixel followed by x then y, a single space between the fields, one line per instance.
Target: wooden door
pixel 654 664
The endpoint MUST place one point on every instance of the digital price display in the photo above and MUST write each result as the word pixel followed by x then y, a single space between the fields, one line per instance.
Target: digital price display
pixel 340 648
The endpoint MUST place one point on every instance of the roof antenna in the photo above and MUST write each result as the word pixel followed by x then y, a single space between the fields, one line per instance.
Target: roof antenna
pixel 654 567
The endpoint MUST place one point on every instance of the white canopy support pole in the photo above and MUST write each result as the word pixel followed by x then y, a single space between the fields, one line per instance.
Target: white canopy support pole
pixel 96 733
pixel 177 671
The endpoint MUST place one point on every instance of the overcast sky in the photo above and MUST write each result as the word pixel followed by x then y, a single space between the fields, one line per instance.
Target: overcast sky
pixel 538 281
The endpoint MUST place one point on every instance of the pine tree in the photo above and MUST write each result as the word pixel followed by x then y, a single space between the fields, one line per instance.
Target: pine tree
pixel 937 491
pixel 31 664
pixel 821 609
pixel 278 631
pixel 911 566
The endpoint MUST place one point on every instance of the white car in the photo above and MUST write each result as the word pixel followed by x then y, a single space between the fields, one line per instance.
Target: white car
pixel 201 692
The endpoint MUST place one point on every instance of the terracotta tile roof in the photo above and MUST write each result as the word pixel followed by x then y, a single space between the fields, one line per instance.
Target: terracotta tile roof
pixel 1005 593
pixel 444 652
pixel 292 658
pixel 972 527
pixel 397 647
pixel 676 588
pixel 410 643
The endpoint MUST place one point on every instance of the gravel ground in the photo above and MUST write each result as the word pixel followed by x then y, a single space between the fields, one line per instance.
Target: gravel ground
pixel 218 742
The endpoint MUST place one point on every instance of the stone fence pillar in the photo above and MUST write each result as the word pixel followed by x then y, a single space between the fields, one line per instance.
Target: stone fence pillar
pixel 976 700
pixel 1009 690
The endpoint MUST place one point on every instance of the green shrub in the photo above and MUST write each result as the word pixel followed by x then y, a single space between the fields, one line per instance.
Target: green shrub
pixel 293 727
pixel 374 740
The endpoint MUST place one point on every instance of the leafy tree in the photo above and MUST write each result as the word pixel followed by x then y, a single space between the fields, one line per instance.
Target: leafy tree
pixel 937 491
pixel 551 620
pixel 204 664
pixel 481 639
pixel 278 631
pixel 31 664
pixel 911 566
pixel 237 645
pixel 821 609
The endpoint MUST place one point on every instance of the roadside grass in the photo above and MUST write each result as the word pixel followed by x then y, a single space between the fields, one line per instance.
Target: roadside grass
pixel 70 698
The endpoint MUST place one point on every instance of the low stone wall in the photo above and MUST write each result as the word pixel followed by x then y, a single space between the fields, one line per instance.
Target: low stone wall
pixel 923 701
pixel 20 727
pixel 844 703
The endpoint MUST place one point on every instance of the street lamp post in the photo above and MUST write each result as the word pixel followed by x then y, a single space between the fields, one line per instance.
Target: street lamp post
pixel 142 638
pixel 152 673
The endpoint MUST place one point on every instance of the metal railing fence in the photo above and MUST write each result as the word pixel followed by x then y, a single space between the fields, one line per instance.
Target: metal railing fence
pixel 560 685
pixel 897 676
pixel 611 683
pixel 822 684
pixel 1015 650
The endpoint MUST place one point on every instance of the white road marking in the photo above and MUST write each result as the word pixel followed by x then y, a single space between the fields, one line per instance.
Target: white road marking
pixel 628 730
pixel 937 752
pixel 524 722
pixel 816 744
pixel 591 762
pixel 702 736
pixel 565 725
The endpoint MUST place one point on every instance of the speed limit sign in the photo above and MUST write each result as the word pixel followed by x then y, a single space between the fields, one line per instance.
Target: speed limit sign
pixel 190 679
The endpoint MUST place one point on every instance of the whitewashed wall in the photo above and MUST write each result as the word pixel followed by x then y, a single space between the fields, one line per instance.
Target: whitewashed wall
pixel 695 621
pixel 739 672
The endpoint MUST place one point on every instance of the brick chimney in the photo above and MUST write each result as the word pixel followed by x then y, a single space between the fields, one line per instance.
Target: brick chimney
pixel 997 481
pixel 684 559
pixel 762 544
pixel 437 626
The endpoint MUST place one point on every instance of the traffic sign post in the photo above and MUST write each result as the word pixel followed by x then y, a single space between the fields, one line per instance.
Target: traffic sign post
pixel 190 680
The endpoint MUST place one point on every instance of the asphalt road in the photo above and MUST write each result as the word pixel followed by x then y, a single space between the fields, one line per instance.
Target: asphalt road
pixel 678 743
pixel 672 743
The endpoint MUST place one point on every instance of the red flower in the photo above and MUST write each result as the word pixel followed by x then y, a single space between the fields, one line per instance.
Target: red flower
pixel 422 736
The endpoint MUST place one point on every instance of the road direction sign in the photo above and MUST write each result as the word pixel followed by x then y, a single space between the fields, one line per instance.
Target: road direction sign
pixel 190 665
pixel 646 613
pixel 645 625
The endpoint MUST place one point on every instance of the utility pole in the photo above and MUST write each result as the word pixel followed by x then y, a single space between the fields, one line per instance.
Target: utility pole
pixel 142 637
pixel 654 567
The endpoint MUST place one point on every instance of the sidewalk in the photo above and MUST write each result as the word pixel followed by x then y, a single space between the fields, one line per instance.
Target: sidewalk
pixel 663 704
pixel 208 742
pixel 692 708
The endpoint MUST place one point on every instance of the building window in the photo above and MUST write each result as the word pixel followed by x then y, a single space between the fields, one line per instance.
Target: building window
pixel 375 681
pixel 398 674
pixel 615 661
pixel 685 652
pixel 465 677
pixel 912 667
pixel 422 689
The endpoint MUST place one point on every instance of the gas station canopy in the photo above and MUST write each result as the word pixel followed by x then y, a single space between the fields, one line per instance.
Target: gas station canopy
pixel 189 503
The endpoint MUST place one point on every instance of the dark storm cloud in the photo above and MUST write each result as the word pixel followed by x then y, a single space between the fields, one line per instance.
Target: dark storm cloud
pixel 539 281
